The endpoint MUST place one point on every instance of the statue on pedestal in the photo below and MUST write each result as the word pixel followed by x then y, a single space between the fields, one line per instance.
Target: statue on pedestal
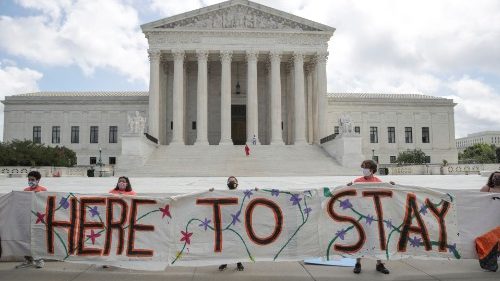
pixel 345 125
pixel 136 123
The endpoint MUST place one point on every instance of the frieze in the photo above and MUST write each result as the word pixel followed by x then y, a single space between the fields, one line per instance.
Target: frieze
pixel 238 17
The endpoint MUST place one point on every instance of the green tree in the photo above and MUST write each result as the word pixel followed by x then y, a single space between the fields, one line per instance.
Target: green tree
pixel 479 153
pixel 27 153
pixel 415 156
pixel 497 152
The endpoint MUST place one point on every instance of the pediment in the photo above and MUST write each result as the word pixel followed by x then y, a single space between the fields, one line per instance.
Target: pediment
pixel 237 14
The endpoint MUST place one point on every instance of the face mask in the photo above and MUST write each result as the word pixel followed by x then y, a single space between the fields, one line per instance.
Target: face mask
pixel 367 172
pixel 122 185
pixel 32 184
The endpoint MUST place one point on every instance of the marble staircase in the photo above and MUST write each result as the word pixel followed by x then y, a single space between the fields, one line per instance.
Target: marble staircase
pixel 222 160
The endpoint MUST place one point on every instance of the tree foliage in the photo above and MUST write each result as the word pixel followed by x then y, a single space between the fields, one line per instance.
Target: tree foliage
pixel 478 153
pixel 27 153
pixel 497 152
pixel 415 156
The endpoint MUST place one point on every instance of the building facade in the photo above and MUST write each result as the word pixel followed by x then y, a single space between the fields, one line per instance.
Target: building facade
pixel 486 137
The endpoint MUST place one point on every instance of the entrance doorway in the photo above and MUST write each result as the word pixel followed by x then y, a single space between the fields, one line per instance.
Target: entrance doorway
pixel 239 124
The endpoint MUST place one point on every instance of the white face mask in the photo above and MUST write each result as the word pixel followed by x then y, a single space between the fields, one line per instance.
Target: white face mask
pixel 32 184
pixel 367 172
pixel 122 185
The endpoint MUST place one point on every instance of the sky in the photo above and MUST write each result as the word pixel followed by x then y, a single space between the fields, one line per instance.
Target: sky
pixel 446 48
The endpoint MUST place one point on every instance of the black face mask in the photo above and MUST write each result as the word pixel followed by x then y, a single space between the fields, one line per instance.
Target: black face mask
pixel 232 185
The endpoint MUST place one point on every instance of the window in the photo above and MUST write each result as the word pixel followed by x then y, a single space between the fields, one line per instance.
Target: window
pixel 56 134
pixel 112 160
pixel 375 158
pixel 75 134
pixel 427 159
pixel 37 134
pixel 393 159
pixel 357 129
pixel 391 133
pixel 408 135
pixel 373 135
pixel 193 125
pixel 93 160
pixel 425 135
pixel 336 130
pixel 94 134
pixel 113 134
pixel 171 125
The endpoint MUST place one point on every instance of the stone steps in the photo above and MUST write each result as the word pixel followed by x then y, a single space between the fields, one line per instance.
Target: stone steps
pixel 264 160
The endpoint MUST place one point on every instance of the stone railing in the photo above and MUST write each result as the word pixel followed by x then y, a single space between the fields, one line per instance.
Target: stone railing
pixel 48 171
pixel 436 169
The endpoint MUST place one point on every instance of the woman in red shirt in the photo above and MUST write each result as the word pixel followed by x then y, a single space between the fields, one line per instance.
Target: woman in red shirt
pixel 123 187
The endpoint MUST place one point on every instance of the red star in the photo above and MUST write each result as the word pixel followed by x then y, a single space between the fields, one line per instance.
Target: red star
pixel 93 236
pixel 40 218
pixel 186 236
pixel 165 211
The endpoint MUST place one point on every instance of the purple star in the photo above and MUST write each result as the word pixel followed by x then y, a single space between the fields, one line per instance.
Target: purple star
pixel 423 210
pixel 369 219
pixel 415 242
pixel 346 204
pixel 307 210
pixel 205 224
pixel 93 211
pixel 236 217
pixel 452 248
pixel 275 192
pixel 295 199
pixel 341 234
pixel 248 193
pixel 64 203
pixel 388 223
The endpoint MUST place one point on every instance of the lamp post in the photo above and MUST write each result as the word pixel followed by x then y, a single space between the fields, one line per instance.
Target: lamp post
pixel 100 162
pixel 373 154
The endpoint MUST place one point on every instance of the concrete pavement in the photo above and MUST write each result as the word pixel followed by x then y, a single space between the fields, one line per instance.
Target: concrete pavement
pixel 289 271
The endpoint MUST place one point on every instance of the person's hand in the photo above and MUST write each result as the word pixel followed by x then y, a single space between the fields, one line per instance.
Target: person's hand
pixel 393 183
pixel 349 184
pixel 211 189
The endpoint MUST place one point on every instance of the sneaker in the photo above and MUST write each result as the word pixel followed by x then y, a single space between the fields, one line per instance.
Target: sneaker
pixel 28 261
pixel 381 268
pixel 222 267
pixel 240 266
pixel 357 268
pixel 39 263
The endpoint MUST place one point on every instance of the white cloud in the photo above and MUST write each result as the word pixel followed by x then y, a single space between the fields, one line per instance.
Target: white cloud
pixel 89 34
pixel 14 80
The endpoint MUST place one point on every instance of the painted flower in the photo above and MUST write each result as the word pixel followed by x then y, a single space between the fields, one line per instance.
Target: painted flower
pixel 388 223
pixel 452 248
pixel 275 192
pixel 64 203
pixel 307 210
pixel 236 218
pixel 93 211
pixel 40 218
pixel 205 224
pixel 346 204
pixel 186 237
pixel 341 234
pixel 423 210
pixel 165 211
pixel 369 219
pixel 93 236
pixel 295 199
pixel 415 242
pixel 247 193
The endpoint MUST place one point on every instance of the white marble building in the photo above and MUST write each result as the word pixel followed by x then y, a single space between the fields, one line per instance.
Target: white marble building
pixel 224 75
pixel 486 137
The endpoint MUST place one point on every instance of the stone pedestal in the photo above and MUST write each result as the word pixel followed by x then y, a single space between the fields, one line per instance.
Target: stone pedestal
pixel 346 150
pixel 136 149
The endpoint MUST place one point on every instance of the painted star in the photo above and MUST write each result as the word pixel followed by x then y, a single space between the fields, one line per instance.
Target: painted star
pixel 186 236
pixel 295 199
pixel 205 224
pixel 165 211
pixel 93 236
pixel 346 204
pixel 40 218
pixel 93 211
pixel 369 219
pixel 415 242
pixel 236 217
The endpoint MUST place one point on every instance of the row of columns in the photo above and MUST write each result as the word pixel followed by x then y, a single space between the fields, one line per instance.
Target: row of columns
pixel 315 103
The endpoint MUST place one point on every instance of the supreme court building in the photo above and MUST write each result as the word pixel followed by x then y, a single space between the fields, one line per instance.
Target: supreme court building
pixel 231 74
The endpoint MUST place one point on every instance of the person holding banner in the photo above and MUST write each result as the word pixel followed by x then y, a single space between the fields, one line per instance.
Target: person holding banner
pixel 493 184
pixel 33 186
pixel 369 169
pixel 123 187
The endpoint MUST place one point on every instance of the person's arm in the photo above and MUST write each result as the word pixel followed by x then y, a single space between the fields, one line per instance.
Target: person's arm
pixel 485 188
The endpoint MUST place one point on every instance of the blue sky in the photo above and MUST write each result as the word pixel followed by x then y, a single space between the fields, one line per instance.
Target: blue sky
pixel 446 48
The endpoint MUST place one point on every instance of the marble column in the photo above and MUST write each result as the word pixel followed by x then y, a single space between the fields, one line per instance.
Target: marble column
pixel 252 100
pixel 276 134
pixel 154 94
pixel 322 98
pixel 202 101
pixel 178 98
pixel 299 99
pixel 225 110
pixel 309 118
